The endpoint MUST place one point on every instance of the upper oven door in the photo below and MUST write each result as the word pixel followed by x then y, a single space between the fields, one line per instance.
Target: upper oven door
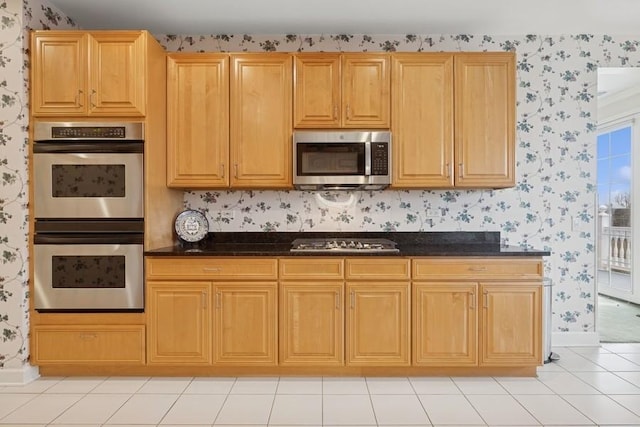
pixel 88 185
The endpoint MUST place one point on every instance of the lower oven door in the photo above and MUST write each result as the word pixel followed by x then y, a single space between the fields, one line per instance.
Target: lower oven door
pixel 97 276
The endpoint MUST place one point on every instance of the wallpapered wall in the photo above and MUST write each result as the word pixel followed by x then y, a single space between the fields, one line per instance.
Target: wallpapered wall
pixel 555 162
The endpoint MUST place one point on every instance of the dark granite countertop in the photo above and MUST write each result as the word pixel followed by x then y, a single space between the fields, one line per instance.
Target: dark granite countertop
pixel 408 243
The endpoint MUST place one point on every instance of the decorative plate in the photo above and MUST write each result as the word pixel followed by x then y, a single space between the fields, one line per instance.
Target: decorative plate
pixel 191 226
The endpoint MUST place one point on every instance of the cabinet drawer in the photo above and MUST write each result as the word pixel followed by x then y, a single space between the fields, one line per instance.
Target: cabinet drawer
pixel 90 344
pixel 375 268
pixel 477 268
pixel 212 268
pixel 316 268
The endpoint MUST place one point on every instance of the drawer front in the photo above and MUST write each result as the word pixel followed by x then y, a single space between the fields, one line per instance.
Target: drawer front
pixel 375 268
pixel 212 268
pixel 316 268
pixel 90 344
pixel 477 268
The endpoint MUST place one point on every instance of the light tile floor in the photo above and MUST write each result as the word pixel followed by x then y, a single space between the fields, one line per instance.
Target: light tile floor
pixel 588 386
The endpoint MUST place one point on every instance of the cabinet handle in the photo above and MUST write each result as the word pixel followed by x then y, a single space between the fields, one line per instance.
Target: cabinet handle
pixel 204 300
pixel 335 112
pixel 448 170
pixel 460 169
pixel 93 92
pixel 235 168
pixel 218 300
pixel 348 112
pixel 79 98
pixel 473 300
pixel 222 170
pixel 485 302
pixel 353 299
pixel 478 268
pixel 210 269
pixel 337 299
pixel 88 336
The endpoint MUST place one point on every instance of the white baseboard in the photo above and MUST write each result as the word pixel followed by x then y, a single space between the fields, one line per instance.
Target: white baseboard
pixel 21 376
pixel 575 339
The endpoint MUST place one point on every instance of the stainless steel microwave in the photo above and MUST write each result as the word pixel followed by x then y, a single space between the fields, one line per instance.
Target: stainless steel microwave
pixel 341 160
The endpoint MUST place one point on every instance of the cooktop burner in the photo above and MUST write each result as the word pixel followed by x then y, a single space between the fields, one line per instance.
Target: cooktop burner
pixel 343 245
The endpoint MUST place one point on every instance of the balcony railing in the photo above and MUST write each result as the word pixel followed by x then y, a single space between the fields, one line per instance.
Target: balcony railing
pixel 615 245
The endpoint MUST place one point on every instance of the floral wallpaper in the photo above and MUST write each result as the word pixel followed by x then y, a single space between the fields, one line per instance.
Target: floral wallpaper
pixel 16 18
pixel 552 206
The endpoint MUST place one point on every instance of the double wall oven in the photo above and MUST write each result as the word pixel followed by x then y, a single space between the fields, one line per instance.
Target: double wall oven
pixel 89 216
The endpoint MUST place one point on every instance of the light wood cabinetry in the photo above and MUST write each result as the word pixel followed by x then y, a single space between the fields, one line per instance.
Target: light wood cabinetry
pixel 98 73
pixel 378 319
pixel 341 90
pixel 311 312
pixel 198 120
pixel 212 310
pixel 509 328
pixel 260 117
pixel 511 324
pixel 453 119
pixel 179 322
pixel 445 327
pixel 88 345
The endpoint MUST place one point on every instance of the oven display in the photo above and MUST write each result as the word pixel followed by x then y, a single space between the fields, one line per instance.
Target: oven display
pixel 84 272
pixel 103 132
pixel 88 180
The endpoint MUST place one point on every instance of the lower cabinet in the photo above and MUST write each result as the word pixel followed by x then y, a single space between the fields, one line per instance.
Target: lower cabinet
pixel 445 324
pixel 511 324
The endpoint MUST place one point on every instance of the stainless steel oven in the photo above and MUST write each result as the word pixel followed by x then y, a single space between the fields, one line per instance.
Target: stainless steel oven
pixel 88 266
pixel 88 170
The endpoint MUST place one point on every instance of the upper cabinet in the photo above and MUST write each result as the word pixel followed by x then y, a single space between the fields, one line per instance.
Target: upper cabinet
pixel 453 120
pixel 198 120
pixel 77 73
pixel 260 117
pixel 341 90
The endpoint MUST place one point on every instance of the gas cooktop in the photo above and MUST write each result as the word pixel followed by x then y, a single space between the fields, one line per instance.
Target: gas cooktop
pixel 343 245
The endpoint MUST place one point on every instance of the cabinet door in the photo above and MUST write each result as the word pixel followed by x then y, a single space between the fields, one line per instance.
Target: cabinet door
pixel 59 73
pixel 245 327
pixel 511 324
pixel 317 90
pixel 261 115
pixel 179 320
pixel 311 323
pixel 117 74
pixel 485 106
pixel 365 90
pixel 422 120
pixel 198 120
pixel 445 324
pixel 378 324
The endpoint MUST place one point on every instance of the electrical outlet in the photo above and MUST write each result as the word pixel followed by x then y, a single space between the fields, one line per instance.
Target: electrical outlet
pixel 575 223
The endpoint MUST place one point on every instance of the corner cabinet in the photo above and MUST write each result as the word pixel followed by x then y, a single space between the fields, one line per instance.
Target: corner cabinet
pixel 260 117
pixel 341 90
pixel 198 120
pixel 453 120
pixel 97 73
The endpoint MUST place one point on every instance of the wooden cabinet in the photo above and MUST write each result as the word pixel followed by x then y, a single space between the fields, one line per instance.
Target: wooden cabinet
pixel 378 319
pixel 245 327
pixel 88 345
pixel 453 120
pixel 311 312
pixel 205 310
pixel 198 120
pixel 445 327
pixel 260 117
pixel 179 322
pixel 511 324
pixel 450 294
pixel 341 90
pixel 98 73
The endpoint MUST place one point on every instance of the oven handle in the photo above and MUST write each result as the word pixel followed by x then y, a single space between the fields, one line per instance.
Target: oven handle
pixel 88 147
pixel 89 239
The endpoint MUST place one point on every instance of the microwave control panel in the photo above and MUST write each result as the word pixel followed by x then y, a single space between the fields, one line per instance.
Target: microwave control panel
pixel 379 158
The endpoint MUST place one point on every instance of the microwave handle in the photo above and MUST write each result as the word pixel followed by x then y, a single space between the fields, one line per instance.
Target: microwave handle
pixel 367 158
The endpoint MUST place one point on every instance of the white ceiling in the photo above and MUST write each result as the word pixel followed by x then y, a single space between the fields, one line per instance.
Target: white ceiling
pixel 495 17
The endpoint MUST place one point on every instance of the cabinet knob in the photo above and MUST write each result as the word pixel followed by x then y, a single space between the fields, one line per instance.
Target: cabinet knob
pixel 91 99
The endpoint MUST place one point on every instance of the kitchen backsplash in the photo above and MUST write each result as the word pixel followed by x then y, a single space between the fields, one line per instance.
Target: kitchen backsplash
pixel 555 162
